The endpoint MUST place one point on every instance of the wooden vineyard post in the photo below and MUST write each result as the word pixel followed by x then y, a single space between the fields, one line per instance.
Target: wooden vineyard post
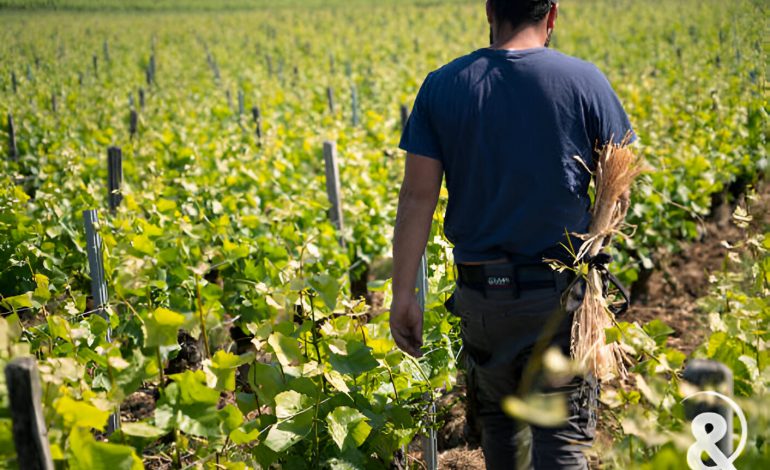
pixel 711 375
pixel 141 98
pixel 14 82
pixel 241 103
pixel 257 123
pixel 330 98
pixel 95 62
pixel 26 406
pixel 133 122
pixel 98 286
pixel 359 276
pixel 114 176
pixel 404 116
pixel 153 70
pixel 333 187
pixel 229 100
pixel 354 103
pixel 106 49
pixel 13 151
pixel 269 63
pixel 150 70
pixel 213 66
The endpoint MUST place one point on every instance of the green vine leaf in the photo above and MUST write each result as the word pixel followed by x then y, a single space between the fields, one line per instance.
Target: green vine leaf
pixel 348 427
pixel 161 327
pixel 88 454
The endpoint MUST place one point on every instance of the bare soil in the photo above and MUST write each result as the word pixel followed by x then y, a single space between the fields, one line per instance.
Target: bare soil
pixel 139 405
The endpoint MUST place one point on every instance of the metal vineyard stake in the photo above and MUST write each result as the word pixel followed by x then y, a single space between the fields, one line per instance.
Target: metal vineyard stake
pixel 114 177
pixel 98 286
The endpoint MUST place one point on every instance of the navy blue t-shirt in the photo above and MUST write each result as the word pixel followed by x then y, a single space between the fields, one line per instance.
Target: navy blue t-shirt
pixel 506 126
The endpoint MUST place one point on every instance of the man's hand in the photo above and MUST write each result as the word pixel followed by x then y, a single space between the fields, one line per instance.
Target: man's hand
pixel 406 324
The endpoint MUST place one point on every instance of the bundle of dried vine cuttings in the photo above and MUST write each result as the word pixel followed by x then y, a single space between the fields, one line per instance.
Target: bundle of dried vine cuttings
pixel 616 170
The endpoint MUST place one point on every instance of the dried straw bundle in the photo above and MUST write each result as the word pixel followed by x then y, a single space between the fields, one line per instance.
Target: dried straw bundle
pixel 616 170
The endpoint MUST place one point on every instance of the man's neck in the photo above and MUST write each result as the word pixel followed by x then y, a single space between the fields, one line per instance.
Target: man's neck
pixel 526 37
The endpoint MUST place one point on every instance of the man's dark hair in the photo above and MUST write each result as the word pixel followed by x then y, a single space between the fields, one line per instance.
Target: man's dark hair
pixel 519 12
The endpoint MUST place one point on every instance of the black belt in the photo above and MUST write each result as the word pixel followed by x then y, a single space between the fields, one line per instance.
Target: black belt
pixel 513 277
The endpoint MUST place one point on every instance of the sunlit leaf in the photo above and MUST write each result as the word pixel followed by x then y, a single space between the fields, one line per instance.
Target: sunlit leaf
pixel 88 454
pixel 541 410
pixel 161 327
pixel 79 413
pixel 348 427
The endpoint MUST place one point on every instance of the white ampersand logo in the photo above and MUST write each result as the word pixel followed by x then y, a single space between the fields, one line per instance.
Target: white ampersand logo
pixel 705 441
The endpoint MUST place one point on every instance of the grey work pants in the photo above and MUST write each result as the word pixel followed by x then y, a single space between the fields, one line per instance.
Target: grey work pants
pixel 499 333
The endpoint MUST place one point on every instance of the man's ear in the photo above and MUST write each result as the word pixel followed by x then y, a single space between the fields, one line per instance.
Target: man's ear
pixel 552 15
pixel 490 13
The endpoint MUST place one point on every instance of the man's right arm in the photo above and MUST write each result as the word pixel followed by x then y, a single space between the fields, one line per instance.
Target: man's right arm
pixel 416 204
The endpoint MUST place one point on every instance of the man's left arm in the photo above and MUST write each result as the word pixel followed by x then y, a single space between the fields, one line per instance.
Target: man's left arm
pixel 608 121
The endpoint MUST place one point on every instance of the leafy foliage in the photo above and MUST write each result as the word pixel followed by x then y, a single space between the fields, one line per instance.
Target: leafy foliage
pixel 221 228
pixel 651 418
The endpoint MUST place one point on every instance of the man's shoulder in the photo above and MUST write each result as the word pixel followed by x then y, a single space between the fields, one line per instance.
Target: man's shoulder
pixel 457 66
pixel 546 61
pixel 572 73
pixel 568 66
